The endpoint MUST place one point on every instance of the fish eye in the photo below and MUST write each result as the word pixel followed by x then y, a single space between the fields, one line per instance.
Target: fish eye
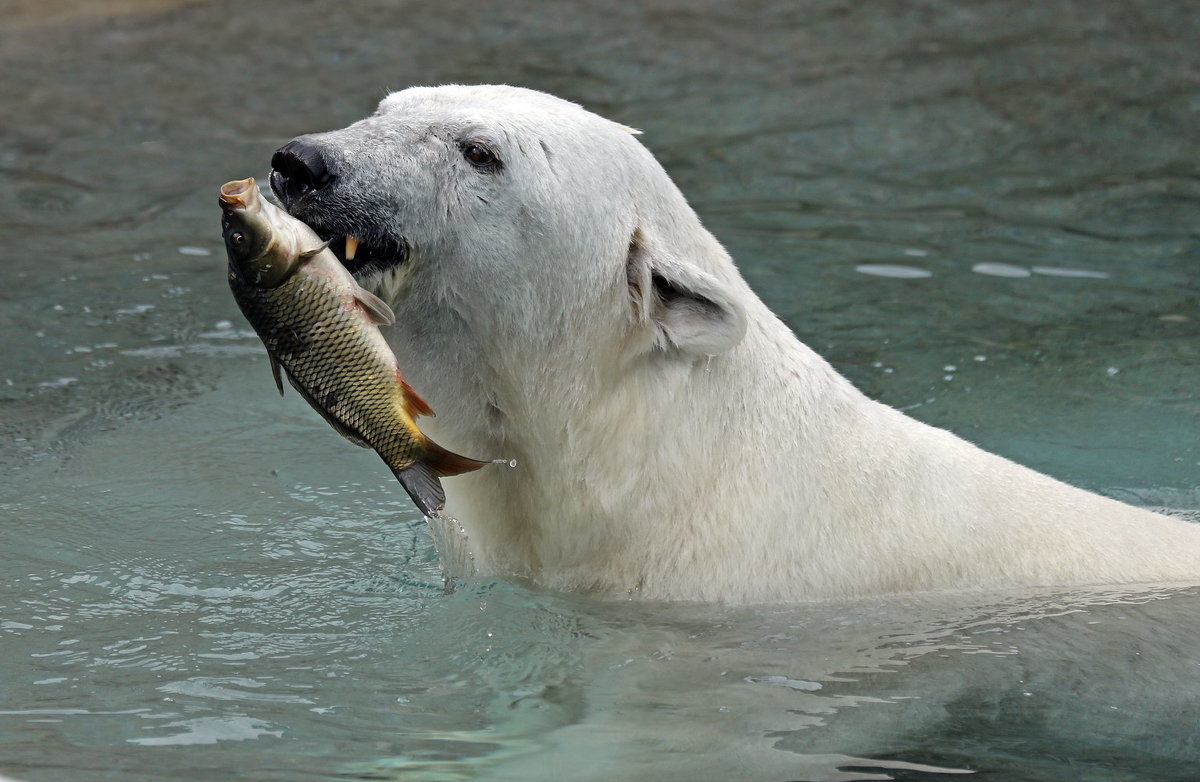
pixel 480 156
pixel 237 238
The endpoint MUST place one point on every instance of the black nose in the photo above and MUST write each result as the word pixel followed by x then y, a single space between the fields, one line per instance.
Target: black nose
pixel 298 168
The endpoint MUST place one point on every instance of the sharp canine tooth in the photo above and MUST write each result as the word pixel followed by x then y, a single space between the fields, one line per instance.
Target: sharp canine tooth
pixel 351 247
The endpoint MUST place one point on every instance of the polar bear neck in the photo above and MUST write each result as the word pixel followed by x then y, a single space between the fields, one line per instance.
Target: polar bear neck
pixel 795 474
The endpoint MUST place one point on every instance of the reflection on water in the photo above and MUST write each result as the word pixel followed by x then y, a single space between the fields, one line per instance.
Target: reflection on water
pixel 982 213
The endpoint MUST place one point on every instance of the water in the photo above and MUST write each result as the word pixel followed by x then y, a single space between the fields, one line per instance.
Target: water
pixel 982 213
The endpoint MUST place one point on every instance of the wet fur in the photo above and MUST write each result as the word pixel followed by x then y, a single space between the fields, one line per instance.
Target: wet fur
pixel 674 438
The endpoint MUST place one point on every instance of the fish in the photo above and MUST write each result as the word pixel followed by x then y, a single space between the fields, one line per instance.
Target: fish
pixel 322 329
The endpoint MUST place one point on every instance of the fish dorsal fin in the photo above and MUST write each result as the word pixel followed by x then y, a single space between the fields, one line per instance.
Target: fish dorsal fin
pixel 414 404
pixel 276 370
pixel 377 309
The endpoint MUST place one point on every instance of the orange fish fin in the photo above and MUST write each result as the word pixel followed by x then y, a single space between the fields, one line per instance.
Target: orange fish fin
pixel 414 404
pixel 377 309
pixel 445 463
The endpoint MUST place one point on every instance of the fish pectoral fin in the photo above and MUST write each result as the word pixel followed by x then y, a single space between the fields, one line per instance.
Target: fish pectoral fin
pixel 308 255
pixel 276 371
pixel 377 309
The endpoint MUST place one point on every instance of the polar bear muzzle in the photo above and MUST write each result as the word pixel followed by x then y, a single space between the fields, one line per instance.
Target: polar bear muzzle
pixel 303 174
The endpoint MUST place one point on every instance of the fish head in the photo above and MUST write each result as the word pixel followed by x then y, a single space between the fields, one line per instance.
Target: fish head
pixel 256 248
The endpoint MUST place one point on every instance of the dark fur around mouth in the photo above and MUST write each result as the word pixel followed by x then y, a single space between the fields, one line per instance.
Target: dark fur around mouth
pixel 374 253
pixel 371 257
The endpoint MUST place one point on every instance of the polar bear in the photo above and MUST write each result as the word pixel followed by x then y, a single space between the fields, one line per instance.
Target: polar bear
pixel 558 302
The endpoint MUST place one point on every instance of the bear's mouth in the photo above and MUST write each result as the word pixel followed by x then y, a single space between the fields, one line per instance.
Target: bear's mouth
pixel 364 257
pixel 362 252
pixel 302 175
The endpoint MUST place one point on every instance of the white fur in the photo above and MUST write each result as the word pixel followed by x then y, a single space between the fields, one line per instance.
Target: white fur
pixel 674 439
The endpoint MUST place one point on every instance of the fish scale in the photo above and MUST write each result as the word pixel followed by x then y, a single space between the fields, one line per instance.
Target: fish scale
pixel 311 330
pixel 322 328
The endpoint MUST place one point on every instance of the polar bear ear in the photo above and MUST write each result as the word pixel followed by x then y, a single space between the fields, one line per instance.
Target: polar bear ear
pixel 688 309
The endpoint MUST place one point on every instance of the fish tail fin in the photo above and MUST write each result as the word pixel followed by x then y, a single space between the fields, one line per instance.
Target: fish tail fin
pixel 445 463
pixel 422 484
pixel 421 478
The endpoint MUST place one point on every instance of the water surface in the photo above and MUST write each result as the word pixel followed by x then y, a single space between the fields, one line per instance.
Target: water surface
pixel 982 213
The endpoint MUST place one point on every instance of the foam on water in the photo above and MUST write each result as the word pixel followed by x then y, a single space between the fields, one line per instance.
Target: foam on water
pixel 892 270
pixel 1001 270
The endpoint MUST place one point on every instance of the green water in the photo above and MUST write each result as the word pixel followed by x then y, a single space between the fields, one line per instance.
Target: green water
pixel 199 580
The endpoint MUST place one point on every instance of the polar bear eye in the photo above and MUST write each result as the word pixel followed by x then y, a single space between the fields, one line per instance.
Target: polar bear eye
pixel 480 156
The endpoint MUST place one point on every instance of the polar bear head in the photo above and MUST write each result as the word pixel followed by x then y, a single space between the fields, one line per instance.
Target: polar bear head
pixel 530 219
